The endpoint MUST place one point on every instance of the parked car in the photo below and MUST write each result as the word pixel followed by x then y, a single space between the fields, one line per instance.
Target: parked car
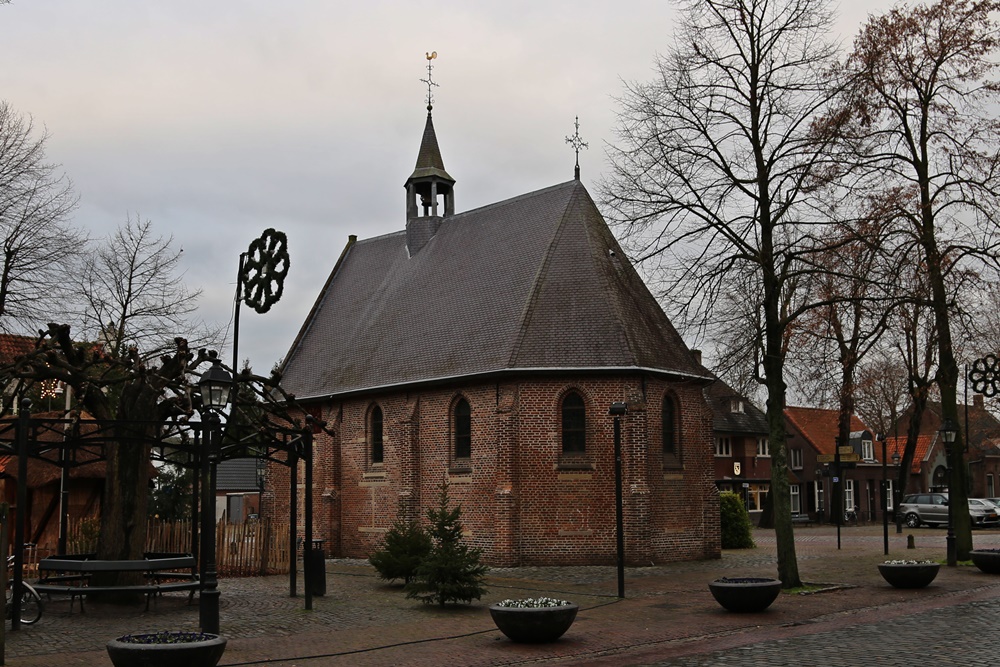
pixel 931 509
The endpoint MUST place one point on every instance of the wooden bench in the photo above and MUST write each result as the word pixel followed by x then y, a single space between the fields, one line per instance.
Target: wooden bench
pixel 70 575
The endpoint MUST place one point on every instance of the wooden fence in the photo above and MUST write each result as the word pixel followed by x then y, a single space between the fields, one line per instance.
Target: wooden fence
pixel 245 549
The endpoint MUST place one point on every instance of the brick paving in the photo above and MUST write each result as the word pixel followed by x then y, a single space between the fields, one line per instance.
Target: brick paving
pixel 667 618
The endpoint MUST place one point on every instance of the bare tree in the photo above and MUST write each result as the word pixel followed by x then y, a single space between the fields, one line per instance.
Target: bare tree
pixel 925 127
pixel 37 241
pixel 712 179
pixel 132 294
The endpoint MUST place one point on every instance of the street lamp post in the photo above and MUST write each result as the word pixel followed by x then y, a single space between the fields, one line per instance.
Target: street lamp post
pixel 895 491
pixel 885 495
pixel 214 384
pixel 618 410
pixel 948 433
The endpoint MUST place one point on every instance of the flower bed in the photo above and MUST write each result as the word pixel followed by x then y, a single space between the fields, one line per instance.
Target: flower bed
pixel 167 649
pixel 987 560
pixel 745 594
pixel 909 573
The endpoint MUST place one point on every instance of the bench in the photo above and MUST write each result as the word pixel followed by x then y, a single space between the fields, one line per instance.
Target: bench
pixel 70 575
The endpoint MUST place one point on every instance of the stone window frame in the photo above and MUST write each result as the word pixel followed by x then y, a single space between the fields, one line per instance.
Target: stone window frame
pixel 459 463
pixel 671 406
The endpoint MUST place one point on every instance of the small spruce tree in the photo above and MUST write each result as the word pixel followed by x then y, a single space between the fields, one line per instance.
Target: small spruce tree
pixel 737 530
pixel 405 547
pixel 451 572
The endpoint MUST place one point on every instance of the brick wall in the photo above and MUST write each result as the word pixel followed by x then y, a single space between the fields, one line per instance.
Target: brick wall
pixel 523 502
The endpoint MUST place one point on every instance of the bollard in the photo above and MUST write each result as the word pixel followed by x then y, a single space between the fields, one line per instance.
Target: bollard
pixel 909 542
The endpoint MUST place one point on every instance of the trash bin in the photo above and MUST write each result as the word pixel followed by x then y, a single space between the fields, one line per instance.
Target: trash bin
pixel 315 566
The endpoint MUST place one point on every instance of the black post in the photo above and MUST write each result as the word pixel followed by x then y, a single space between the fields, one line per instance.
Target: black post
pixel 838 494
pixel 885 499
pixel 196 502
pixel 63 540
pixel 309 572
pixel 21 513
pixel 619 409
pixel 950 539
pixel 209 599
pixel 293 511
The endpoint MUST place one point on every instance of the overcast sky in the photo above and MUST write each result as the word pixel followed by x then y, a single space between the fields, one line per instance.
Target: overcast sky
pixel 216 120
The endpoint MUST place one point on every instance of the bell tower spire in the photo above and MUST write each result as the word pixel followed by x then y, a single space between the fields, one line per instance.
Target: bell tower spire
pixel 430 193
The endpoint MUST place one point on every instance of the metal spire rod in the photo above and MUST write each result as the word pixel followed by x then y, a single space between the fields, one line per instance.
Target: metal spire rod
pixel 577 142
pixel 429 80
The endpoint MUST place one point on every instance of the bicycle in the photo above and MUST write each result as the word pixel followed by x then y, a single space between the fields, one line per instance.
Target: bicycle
pixel 851 516
pixel 31 601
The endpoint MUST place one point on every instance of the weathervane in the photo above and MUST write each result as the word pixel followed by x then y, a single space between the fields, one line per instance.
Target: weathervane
pixel 429 81
pixel 577 143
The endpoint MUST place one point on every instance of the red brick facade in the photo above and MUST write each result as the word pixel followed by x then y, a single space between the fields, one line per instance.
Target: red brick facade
pixel 523 501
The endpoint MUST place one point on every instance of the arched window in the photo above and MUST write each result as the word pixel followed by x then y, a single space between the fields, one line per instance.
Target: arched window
pixel 669 425
pixel 574 424
pixel 375 435
pixel 462 429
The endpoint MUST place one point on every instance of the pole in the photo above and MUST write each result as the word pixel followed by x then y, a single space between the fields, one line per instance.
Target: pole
pixel 838 496
pixel 619 511
pixel 293 511
pixel 20 512
pixel 885 501
pixel 209 599
pixel 950 539
pixel 308 572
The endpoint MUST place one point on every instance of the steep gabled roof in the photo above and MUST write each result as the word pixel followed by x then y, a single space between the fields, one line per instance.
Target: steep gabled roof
pixel 533 283
pixel 720 397
pixel 12 346
pixel 819 427
pixel 925 443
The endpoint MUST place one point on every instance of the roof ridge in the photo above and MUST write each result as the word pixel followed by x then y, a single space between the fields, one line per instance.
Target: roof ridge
pixel 511 200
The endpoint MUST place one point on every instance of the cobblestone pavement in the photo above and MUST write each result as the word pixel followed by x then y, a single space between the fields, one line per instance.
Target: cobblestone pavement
pixel 667 618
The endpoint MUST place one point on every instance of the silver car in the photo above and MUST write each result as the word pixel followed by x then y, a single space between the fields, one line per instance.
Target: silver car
pixel 932 509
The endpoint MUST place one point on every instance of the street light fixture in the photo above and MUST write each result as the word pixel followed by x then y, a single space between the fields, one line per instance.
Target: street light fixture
pixel 948 433
pixel 214 385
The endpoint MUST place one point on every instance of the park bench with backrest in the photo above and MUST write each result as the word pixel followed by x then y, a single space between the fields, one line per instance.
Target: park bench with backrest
pixel 71 575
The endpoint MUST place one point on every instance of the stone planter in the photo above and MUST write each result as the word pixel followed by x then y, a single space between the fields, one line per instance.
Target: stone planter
pixel 909 575
pixel 745 594
pixel 534 624
pixel 987 560
pixel 167 649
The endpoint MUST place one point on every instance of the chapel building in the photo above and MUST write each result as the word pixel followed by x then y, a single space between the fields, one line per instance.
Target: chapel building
pixel 484 349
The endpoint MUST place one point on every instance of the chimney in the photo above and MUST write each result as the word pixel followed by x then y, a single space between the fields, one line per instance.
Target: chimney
pixel 697 356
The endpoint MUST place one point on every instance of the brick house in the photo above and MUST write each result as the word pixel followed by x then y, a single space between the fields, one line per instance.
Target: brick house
pixel 812 437
pixel 929 462
pixel 484 349
pixel 741 448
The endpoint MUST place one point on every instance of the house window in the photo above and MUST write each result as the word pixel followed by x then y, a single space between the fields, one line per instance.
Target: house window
pixel 867 450
pixel 574 424
pixel 669 426
pixel 890 489
pixel 375 435
pixel 989 486
pixel 723 446
pixel 462 429
pixel 820 505
pixel 736 405
pixel 796 498
pixel 756 495
pixel 795 459
pixel 849 500
pixel 763 447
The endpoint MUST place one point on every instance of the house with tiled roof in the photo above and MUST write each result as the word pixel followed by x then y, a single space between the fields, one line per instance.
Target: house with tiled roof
pixel 812 443
pixel 740 446
pixel 982 454
pixel 484 349
pixel 12 347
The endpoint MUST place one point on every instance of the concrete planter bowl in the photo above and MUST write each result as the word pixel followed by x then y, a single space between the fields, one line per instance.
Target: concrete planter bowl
pixel 987 560
pixel 534 625
pixel 909 575
pixel 745 594
pixel 167 649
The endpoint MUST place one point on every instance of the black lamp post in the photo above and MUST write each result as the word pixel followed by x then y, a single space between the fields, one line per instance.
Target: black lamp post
pixel 618 410
pixel 895 491
pixel 948 433
pixel 214 385
pixel 885 495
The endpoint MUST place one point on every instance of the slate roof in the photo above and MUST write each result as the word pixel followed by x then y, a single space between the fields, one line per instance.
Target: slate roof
pixel 720 397
pixel 533 283
pixel 429 160
pixel 819 426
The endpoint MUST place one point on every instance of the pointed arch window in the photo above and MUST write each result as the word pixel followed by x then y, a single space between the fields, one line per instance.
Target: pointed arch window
pixel 462 430
pixel 574 424
pixel 669 425
pixel 375 434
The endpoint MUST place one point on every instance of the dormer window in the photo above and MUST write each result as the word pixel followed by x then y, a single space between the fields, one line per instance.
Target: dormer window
pixel 867 450
pixel 736 405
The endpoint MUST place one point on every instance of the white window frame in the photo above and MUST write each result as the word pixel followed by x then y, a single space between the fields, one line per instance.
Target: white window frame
pixel 736 405
pixel 724 447
pixel 849 495
pixel 867 450
pixel 796 498
pixel 763 447
pixel 795 458
pixel 820 500
pixel 990 487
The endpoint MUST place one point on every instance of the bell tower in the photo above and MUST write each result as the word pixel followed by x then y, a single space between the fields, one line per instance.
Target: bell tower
pixel 430 193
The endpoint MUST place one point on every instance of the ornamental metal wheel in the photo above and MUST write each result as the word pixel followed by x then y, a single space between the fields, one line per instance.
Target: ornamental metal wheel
pixel 264 270
pixel 985 375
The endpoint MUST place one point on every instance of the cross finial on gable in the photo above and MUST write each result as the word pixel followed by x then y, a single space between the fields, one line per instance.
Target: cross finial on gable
pixel 577 142
pixel 429 80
